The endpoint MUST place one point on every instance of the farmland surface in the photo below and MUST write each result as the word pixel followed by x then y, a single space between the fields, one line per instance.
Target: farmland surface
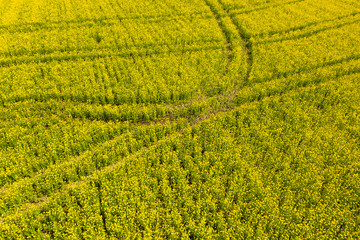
pixel 179 119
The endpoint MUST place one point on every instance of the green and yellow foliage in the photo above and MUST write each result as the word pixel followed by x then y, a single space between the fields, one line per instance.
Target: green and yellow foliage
pixel 179 119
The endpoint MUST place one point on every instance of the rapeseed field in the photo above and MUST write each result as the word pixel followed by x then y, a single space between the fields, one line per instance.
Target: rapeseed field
pixel 180 119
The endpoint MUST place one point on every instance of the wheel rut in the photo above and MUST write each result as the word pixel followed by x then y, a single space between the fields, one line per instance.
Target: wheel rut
pixel 247 43
pixel 220 12
pixel 228 45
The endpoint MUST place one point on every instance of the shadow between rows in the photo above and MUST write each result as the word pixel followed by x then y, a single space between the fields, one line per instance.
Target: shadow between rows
pixel 81 56
pixel 84 49
pixel 310 68
pixel 263 8
pixel 307 34
pixel 271 33
pixel 65 24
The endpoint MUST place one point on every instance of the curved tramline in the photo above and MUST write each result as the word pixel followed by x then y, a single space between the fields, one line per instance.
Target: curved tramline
pixel 179 119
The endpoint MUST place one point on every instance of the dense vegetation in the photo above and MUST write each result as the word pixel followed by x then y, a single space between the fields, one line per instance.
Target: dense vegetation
pixel 179 119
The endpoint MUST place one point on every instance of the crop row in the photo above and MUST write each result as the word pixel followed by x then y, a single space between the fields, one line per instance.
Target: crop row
pixel 302 54
pixel 121 34
pixel 19 12
pixel 299 13
pixel 114 80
